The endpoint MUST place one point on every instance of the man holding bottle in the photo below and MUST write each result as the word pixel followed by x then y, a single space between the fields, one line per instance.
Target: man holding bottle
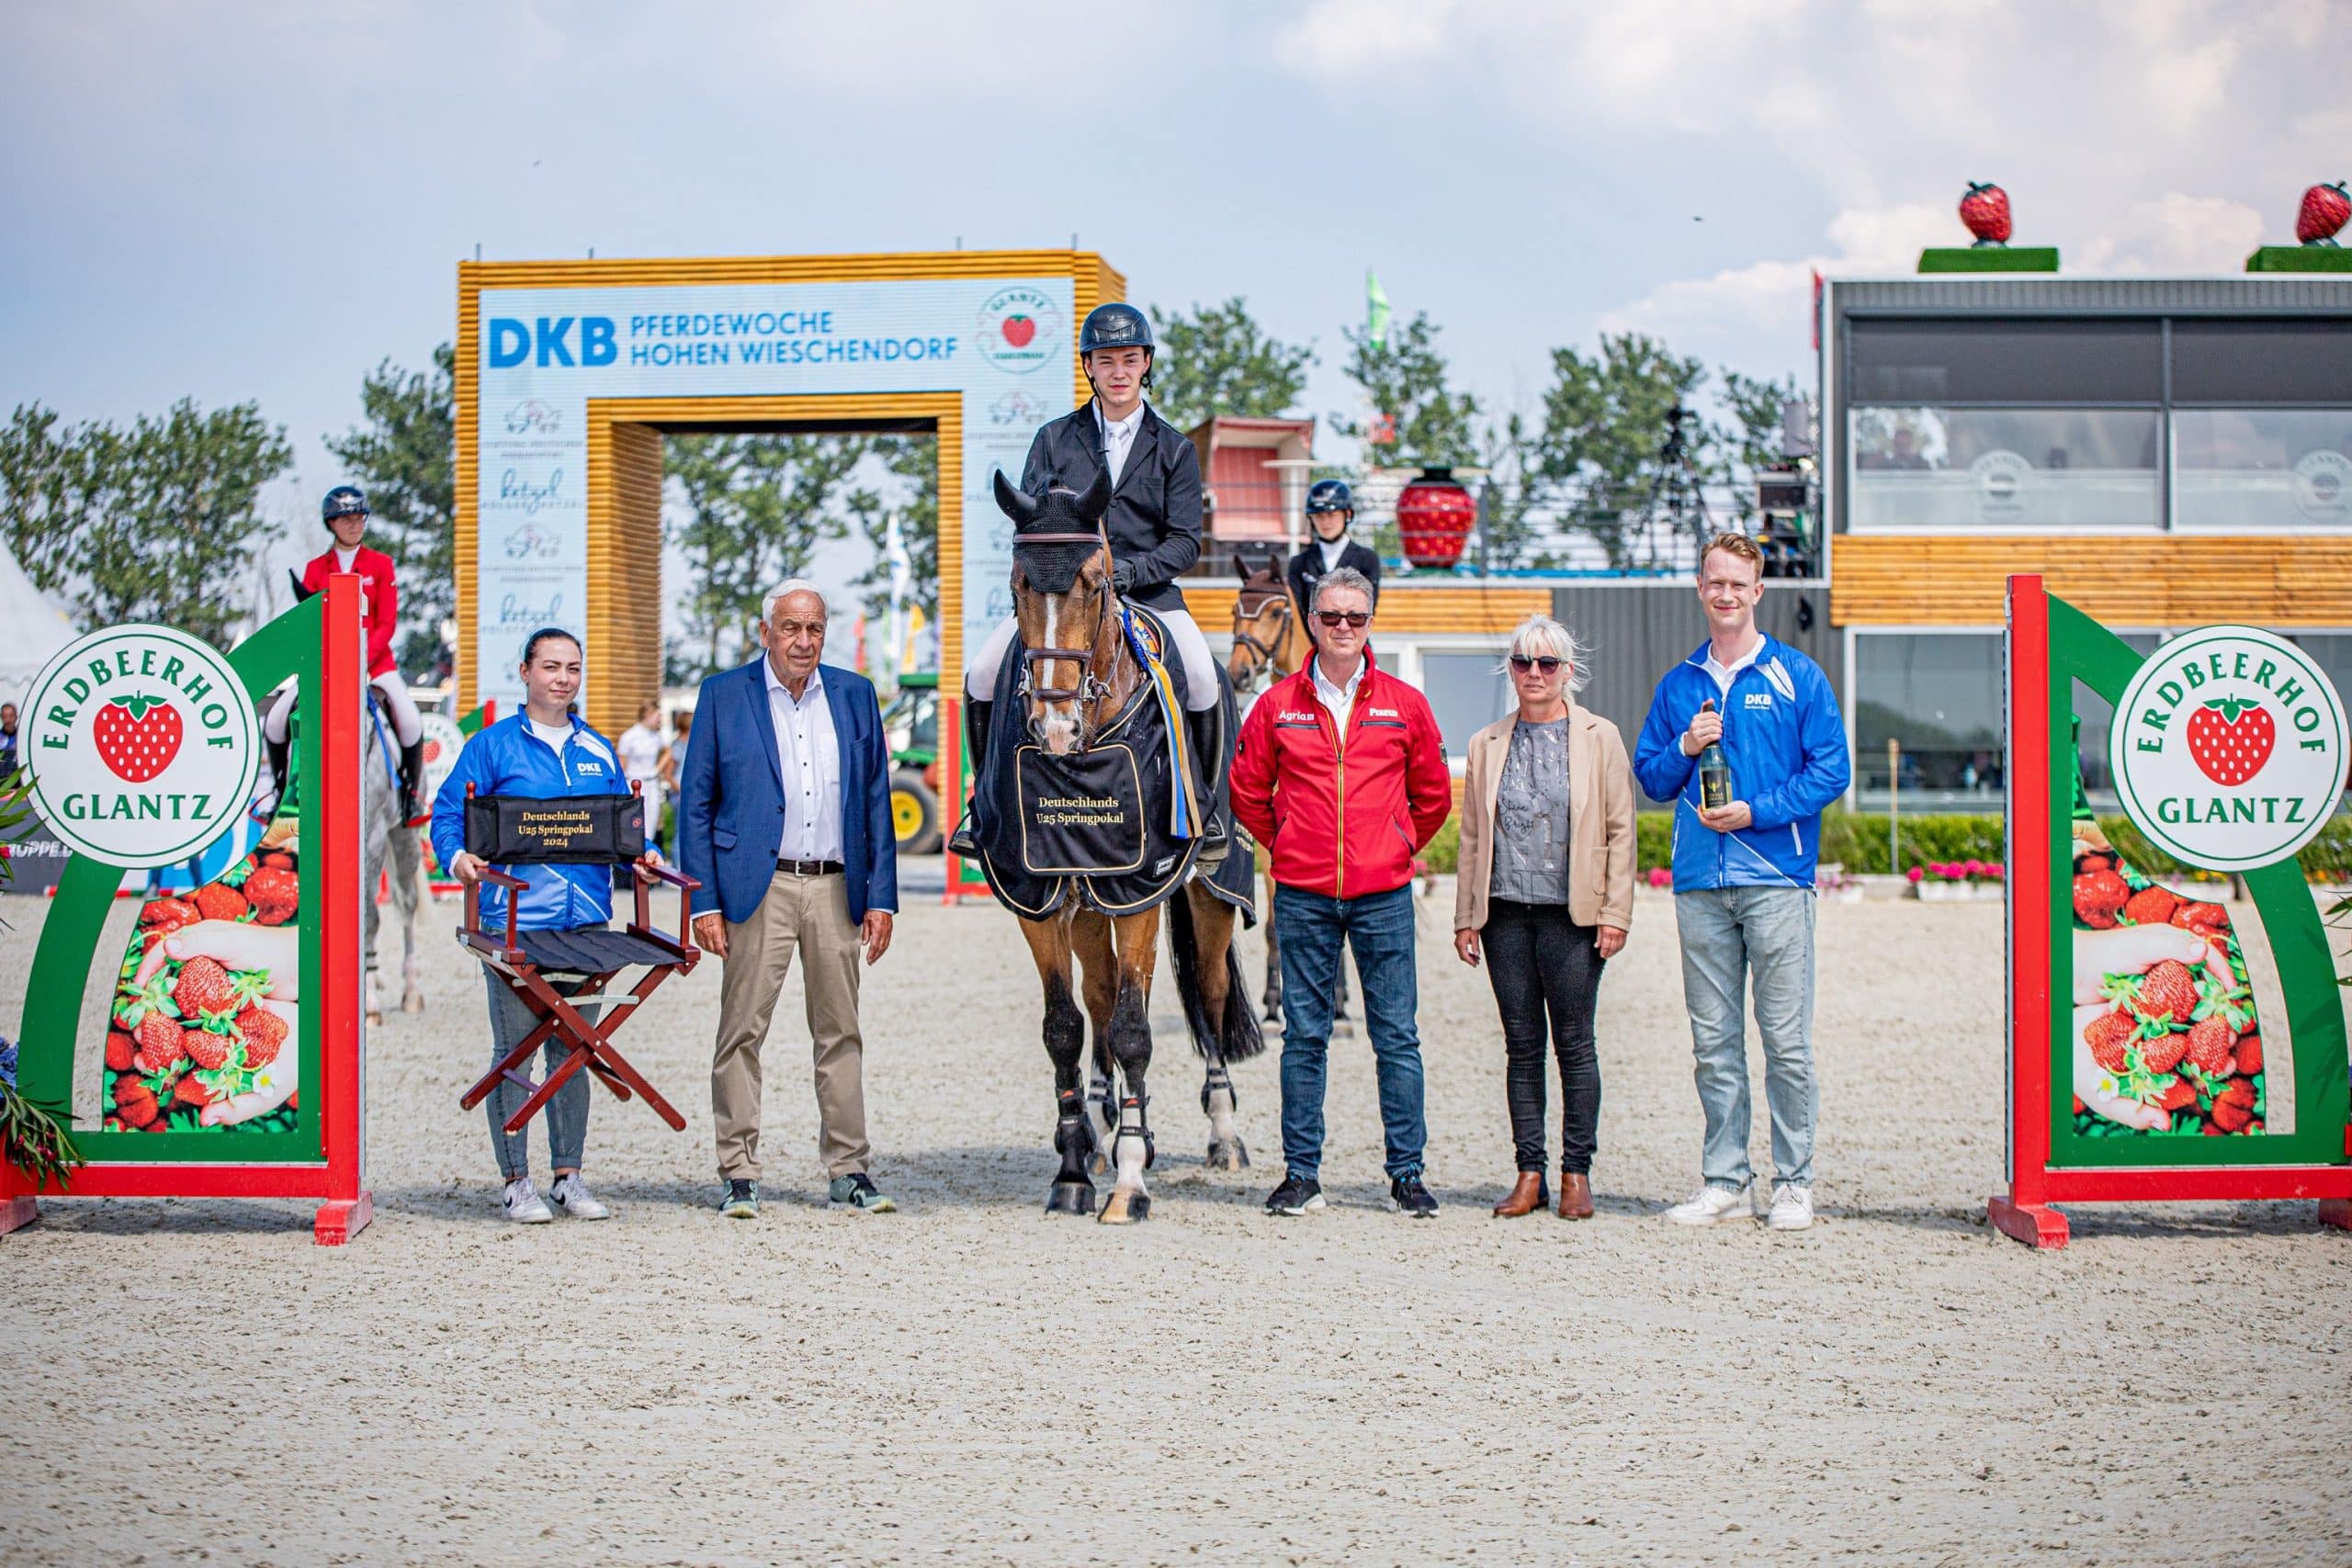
pixel 1745 738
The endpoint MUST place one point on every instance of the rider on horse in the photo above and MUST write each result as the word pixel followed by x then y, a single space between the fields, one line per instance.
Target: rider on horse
pixel 1154 522
pixel 1330 507
pixel 345 512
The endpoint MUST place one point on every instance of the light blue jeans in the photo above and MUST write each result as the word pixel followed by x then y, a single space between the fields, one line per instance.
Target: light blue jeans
pixel 566 1112
pixel 1728 933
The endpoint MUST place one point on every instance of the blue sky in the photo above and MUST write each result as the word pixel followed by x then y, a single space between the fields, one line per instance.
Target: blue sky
pixel 260 201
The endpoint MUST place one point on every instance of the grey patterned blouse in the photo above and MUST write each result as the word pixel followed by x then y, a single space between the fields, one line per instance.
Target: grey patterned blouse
pixel 1531 863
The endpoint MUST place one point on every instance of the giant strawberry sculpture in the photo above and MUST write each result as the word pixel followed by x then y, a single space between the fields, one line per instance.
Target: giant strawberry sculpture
pixel 1985 209
pixel 2326 209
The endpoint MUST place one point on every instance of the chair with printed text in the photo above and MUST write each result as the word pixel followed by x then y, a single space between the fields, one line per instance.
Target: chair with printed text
pixel 562 975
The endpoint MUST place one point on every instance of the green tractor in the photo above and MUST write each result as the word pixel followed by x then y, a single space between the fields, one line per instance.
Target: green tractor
pixel 912 726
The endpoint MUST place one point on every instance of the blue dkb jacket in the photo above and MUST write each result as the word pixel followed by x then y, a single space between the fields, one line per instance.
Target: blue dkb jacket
pixel 732 808
pixel 508 759
pixel 1786 742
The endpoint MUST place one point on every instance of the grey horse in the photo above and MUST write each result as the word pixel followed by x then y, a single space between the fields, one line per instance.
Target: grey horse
pixel 384 839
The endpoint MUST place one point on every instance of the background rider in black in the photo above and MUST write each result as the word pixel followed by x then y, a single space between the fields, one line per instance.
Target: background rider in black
pixel 1330 508
pixel 1154 522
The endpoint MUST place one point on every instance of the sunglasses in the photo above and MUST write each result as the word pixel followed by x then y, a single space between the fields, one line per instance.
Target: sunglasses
pixel 1356 618
pixel 1545 662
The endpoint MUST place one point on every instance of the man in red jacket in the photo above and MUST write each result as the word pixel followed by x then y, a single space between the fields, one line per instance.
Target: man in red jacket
pixel 1342 775
pixel 345 512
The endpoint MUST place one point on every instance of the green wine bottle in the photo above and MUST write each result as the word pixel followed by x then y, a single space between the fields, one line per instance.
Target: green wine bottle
pixel 1714 769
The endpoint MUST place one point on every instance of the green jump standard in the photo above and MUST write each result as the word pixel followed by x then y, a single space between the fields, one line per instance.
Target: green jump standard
pixel 2299 258
pixel 1989 258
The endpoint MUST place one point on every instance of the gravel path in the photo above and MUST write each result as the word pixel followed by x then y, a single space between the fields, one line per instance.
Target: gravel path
pixel 968 1379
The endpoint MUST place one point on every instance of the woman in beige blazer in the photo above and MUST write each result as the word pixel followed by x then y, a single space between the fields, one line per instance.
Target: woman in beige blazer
pixel 1545 895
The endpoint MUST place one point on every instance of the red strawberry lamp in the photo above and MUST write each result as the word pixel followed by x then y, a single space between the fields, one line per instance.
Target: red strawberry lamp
pixel 1985 209
pixel 2325 211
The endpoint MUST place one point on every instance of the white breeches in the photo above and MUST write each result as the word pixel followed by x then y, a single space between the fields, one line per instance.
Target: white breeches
pixel 407 728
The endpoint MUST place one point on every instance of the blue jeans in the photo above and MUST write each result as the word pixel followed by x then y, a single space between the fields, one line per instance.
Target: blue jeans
pixel 1379 926
pixel 1726 933
pixel 566 1111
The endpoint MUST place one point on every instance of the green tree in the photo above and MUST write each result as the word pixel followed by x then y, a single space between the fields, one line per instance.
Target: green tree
pixel 1404 380
pixel 913 464
pixel 152 522
pixel 1605 430
pixel 1219 360
pixel 405 456
pixel 756 508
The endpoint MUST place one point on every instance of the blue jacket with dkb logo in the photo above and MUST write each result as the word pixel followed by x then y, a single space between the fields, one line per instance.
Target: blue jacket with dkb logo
pixel 507 758
pixel 1786 743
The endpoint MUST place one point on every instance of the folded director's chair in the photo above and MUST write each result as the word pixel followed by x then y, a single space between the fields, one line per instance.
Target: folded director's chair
pixel 557 972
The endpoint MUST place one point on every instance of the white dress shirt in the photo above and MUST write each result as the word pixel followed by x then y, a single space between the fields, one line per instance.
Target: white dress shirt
pixel 1341 700
pixel 808 754
pixel 1118 437
pixel 1725 674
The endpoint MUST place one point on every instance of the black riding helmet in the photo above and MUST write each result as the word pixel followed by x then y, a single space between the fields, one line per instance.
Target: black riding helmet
pixel 1330 495
pixel 342 502
pixel 1117 325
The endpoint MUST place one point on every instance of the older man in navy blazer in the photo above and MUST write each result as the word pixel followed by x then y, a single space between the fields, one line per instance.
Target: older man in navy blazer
pixel 784 820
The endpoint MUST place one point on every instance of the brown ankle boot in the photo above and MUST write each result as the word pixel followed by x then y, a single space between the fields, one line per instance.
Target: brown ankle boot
pixel 1526 1196
pixel 1576 1196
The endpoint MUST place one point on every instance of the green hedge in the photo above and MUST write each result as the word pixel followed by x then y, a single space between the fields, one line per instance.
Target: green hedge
pixel 1859 842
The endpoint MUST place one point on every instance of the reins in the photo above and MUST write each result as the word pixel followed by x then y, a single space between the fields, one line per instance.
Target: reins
pixel 1262 654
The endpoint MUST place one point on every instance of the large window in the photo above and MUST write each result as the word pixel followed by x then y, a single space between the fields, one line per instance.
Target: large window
pixel 1924 465
pixel 2187 421
pixel 2252 468
pixel 1465 693
pixel 1938 696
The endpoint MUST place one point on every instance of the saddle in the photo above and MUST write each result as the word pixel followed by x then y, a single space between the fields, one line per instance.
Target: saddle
pixel 1125 821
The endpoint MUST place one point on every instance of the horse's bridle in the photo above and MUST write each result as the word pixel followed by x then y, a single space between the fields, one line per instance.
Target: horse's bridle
pixel 1262 654
pixel 1092 688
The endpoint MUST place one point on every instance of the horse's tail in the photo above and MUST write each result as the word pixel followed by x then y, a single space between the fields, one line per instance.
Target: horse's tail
pixel 1236 1036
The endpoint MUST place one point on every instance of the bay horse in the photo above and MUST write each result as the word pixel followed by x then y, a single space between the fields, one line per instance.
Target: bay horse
pixel 1077 672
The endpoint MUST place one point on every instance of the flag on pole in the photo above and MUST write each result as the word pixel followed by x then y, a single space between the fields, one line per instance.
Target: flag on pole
pixel 894 550
pixel 1376 310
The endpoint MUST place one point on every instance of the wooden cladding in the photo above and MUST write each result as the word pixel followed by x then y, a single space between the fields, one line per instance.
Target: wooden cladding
pixel 623 621
pixel 1404 607
pixel 2133 581
pixel 622 618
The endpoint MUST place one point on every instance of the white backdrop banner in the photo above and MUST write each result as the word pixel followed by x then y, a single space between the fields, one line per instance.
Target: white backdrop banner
pixel 1004 344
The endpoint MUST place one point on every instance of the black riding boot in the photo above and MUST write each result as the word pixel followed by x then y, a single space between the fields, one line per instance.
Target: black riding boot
pixel 411 781
pixel 1204 739
pixel 280 754
pixel 976 715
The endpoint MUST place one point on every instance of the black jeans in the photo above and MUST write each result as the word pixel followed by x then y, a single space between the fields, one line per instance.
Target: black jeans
pixel 1544 965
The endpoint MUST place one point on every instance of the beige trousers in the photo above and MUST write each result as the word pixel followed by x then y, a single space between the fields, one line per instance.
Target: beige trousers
pixel 808 914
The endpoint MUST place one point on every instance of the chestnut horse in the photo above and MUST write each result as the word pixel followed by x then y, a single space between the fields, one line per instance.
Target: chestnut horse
pixel 1078 673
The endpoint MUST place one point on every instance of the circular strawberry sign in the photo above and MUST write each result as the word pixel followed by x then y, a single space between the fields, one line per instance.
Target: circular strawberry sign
pixel 141 743
pixel 2228 747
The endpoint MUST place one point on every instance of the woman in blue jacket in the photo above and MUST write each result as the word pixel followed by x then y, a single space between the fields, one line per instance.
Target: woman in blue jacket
pixel 544 752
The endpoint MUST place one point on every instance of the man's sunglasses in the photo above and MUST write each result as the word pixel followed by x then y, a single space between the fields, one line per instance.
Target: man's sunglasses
pixel 1356 618
pixel 1545 662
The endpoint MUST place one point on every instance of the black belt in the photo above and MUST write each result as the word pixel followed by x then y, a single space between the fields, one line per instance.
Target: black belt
pixel 809 867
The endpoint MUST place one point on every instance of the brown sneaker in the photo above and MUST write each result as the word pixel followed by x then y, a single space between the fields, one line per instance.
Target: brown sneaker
pixel 1526 1196
pixel 1576 1196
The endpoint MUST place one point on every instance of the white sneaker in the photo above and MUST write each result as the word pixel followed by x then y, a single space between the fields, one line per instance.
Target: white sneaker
pixel 523 1205
pixel 1708 1205
pixel 572 1195
pixel 1791 1207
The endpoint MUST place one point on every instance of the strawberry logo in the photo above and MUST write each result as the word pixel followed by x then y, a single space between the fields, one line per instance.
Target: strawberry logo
pixel 1019 329
pixel 2231 737
pixel 137 735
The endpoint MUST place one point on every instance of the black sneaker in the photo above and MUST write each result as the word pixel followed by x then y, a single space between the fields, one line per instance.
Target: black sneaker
pixel 1296 1195
pixel 1410 1197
